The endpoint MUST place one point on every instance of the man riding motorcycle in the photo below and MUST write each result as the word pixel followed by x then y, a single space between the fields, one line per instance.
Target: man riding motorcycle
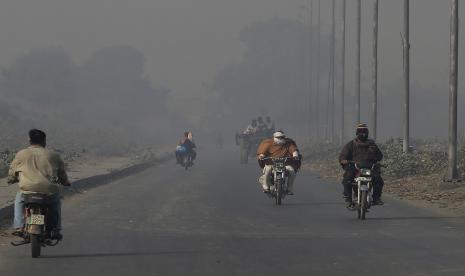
pixel 187 142
pixel 364 152
pixel 278 147
pixel 38 170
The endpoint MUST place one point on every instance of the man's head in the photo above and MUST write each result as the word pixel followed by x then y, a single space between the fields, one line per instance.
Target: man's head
pixel 186 134
pixel 260 119
pixel 362 132
pixel 279 137
pixel 37 137
pixel 268 119
pixel 254 123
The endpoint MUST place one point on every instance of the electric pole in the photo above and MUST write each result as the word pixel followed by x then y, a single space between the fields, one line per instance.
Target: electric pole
pixel 343 75
pixel 454 43
pixel 333 74
pixel 406 44
pixel 317 90
pixel 375 70
pixel 312 119
pixel 358 57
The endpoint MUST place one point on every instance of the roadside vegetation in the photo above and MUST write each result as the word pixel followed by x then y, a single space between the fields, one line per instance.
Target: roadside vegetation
pixel 418 175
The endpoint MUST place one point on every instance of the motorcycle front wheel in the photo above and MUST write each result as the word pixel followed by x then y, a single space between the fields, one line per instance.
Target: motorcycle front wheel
pixel 279 193
pixel 363 205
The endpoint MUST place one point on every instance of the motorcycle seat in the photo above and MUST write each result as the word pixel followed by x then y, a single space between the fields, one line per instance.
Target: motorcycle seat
pixel 38 199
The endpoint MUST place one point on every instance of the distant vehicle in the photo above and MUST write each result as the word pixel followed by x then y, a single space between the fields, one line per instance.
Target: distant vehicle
pixel 364 185
pixel 279 174
pixel 37 220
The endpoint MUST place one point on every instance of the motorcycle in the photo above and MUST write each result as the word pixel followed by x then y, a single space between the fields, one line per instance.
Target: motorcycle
pixel 279 178
pixel 187 161
pixel 184 158
pixel 363 188
pixel 37 221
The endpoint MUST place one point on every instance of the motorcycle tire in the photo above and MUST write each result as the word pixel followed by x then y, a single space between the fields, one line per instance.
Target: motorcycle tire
pixel 35 245
pixel 279 193
pixel 363 205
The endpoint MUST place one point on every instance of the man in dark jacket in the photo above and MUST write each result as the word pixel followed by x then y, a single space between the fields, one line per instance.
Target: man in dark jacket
pixel 365 153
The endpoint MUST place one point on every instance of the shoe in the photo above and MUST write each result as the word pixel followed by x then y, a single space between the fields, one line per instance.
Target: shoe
pixel 378 202
pixel 289 193
pixel 17 232
pixel 266 191
pixel 55 235
pixel 350 206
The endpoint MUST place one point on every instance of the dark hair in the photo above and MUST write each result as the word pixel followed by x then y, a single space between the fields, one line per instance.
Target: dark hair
pixel 186 133
pixel 37 137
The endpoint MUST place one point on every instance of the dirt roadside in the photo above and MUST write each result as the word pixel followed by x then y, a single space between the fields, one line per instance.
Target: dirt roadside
pixel 426 191
pixel 85 172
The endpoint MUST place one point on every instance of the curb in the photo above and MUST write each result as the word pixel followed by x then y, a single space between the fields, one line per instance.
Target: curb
pixel 94 181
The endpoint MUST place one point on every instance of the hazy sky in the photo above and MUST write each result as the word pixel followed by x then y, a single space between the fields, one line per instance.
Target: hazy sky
pixel 187 41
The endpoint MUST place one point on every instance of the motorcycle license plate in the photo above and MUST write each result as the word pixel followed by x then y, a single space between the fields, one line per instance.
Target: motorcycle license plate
pixel 364 188
pixel 37 220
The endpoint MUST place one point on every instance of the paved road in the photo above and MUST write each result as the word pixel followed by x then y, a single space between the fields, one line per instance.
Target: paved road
pixel 213 220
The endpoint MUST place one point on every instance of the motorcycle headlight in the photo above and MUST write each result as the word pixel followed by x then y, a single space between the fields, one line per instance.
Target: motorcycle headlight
pixel 365 172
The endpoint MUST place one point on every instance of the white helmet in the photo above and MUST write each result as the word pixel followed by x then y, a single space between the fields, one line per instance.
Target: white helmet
pixel 279 135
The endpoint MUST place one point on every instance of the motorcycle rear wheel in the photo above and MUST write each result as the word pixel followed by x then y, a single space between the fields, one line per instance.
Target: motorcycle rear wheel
pixel 35 245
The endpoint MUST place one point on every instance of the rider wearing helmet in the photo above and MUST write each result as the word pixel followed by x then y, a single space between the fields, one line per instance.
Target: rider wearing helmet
pixel 364 152
pixel 278 147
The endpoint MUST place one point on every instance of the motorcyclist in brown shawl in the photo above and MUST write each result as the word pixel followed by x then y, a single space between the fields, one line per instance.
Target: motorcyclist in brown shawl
pixel 365 153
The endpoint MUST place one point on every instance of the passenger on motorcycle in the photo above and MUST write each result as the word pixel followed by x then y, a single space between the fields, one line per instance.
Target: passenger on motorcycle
pixel 365 153
pixel 261 126
pixel 278 147
pixel 251 129
pixel 38 170
pixel 186 146
pixel 269 124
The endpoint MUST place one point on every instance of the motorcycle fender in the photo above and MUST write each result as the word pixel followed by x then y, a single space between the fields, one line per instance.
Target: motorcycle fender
pixel 34 229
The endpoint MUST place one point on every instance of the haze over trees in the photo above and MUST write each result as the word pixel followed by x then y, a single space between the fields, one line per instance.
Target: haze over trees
pixel 106 102
pixel 272 79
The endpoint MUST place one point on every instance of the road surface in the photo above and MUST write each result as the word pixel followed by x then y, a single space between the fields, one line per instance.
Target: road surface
pixel 213 220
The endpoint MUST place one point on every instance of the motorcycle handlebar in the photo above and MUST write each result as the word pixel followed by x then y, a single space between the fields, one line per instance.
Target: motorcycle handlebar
pixel 277 158
pixel 375 164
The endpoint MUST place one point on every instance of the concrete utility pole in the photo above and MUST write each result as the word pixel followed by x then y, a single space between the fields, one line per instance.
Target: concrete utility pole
pixel 454 45
pixel 375 70
pixel 306 67
pixel 310 26
pixel 343 72
pixel 317 90
pixel 333 73
pixel 406 44
pixel 358 69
